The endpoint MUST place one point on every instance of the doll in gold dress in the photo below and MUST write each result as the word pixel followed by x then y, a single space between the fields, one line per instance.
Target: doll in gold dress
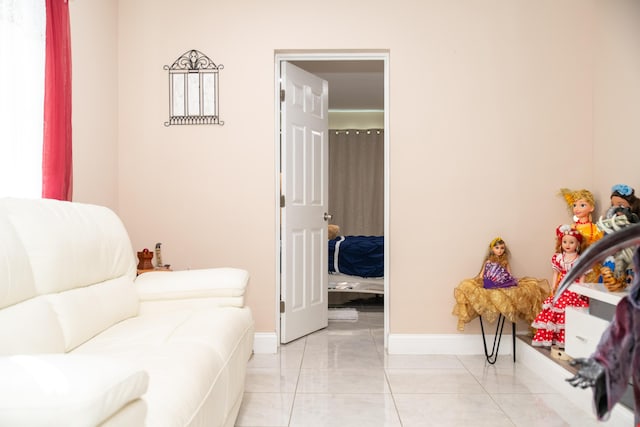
pixel 496 291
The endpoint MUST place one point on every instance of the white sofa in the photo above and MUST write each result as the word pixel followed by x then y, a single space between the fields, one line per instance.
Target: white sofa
pixel 84 342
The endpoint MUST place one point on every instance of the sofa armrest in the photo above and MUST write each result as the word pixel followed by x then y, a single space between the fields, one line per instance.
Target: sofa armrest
pixel 211 286
pixel 66 389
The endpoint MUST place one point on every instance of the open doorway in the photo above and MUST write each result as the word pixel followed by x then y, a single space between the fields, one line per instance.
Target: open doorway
pixel 358 103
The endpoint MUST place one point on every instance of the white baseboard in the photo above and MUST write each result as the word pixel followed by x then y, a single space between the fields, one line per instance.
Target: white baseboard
pixel 445 344
pixel 265 342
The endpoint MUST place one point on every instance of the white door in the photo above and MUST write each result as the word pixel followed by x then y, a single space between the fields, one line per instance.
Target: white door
pixel 304 190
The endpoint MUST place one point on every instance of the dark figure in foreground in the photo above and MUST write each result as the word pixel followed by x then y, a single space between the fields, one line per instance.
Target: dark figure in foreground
pixel 617 357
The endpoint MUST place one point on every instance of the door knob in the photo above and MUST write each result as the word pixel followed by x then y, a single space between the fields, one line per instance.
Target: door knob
pixel 327 216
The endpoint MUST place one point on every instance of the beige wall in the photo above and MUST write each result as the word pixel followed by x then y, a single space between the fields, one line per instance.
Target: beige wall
pixel 616 94
pixel 492 109
pixel 94 47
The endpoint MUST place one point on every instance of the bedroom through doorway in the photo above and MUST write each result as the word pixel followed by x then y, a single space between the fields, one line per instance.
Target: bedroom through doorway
pixel 358 181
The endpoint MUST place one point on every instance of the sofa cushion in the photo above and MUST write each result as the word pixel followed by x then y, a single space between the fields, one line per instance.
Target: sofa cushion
pixel 80 255
pixel 133 414
pixel 16 279
pixel 215 344
pixel 85 312
pixel 70 245
pixel 66 390
pixel 203 288
pixel 30 327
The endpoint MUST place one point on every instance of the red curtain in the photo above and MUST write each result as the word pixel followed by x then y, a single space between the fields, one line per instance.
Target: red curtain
pixel 56 151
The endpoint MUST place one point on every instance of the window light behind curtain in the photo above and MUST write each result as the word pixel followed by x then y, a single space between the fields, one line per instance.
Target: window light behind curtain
pixel 35 101
pixel 22 52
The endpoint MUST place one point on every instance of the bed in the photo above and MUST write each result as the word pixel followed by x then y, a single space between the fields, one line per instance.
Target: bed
pixel 356 264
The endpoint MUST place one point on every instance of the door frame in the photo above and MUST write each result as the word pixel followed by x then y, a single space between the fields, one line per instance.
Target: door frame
pixel 331 56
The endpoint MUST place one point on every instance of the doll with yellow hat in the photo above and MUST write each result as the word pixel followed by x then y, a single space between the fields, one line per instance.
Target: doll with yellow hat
pixel 581 203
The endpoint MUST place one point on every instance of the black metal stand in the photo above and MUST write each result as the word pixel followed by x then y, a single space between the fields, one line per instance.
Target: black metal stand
pixel 491 358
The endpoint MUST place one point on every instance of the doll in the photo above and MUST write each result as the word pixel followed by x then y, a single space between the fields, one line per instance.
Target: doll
pixel 550 321
pixel 617 356
pixel 496 291
pixel 495 272
pixel 582 204
pixel 616 272
pixel 624 202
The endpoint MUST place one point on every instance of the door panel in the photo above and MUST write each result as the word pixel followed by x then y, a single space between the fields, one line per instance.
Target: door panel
pixel 304 184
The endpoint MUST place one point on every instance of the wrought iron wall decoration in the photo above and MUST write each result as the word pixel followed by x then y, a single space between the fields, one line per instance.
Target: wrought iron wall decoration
pixel 193 90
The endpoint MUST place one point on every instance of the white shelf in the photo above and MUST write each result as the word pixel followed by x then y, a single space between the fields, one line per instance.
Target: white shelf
pixel 555 375
pixel 597 291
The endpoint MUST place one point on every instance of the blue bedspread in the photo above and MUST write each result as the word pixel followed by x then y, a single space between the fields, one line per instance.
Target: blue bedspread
pixel 357 255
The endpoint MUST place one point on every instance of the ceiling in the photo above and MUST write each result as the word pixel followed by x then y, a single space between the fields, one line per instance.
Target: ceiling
pixel 353 85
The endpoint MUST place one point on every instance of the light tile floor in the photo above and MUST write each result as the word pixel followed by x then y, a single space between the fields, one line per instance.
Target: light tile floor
pixel 341 376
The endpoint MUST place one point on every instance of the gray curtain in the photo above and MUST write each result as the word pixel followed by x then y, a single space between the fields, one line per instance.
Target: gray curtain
pixel 356 181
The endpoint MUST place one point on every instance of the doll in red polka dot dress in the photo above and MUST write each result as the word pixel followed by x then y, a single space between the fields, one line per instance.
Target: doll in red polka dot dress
pixel 550 321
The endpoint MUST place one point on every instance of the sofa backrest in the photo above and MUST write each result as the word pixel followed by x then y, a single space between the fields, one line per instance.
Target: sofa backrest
pixel 66 274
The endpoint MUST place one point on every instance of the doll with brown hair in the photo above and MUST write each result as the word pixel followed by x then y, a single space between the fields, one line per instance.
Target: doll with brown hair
pixel 624 202
pixel 550 321
pixel 496 291
pixel 617 272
